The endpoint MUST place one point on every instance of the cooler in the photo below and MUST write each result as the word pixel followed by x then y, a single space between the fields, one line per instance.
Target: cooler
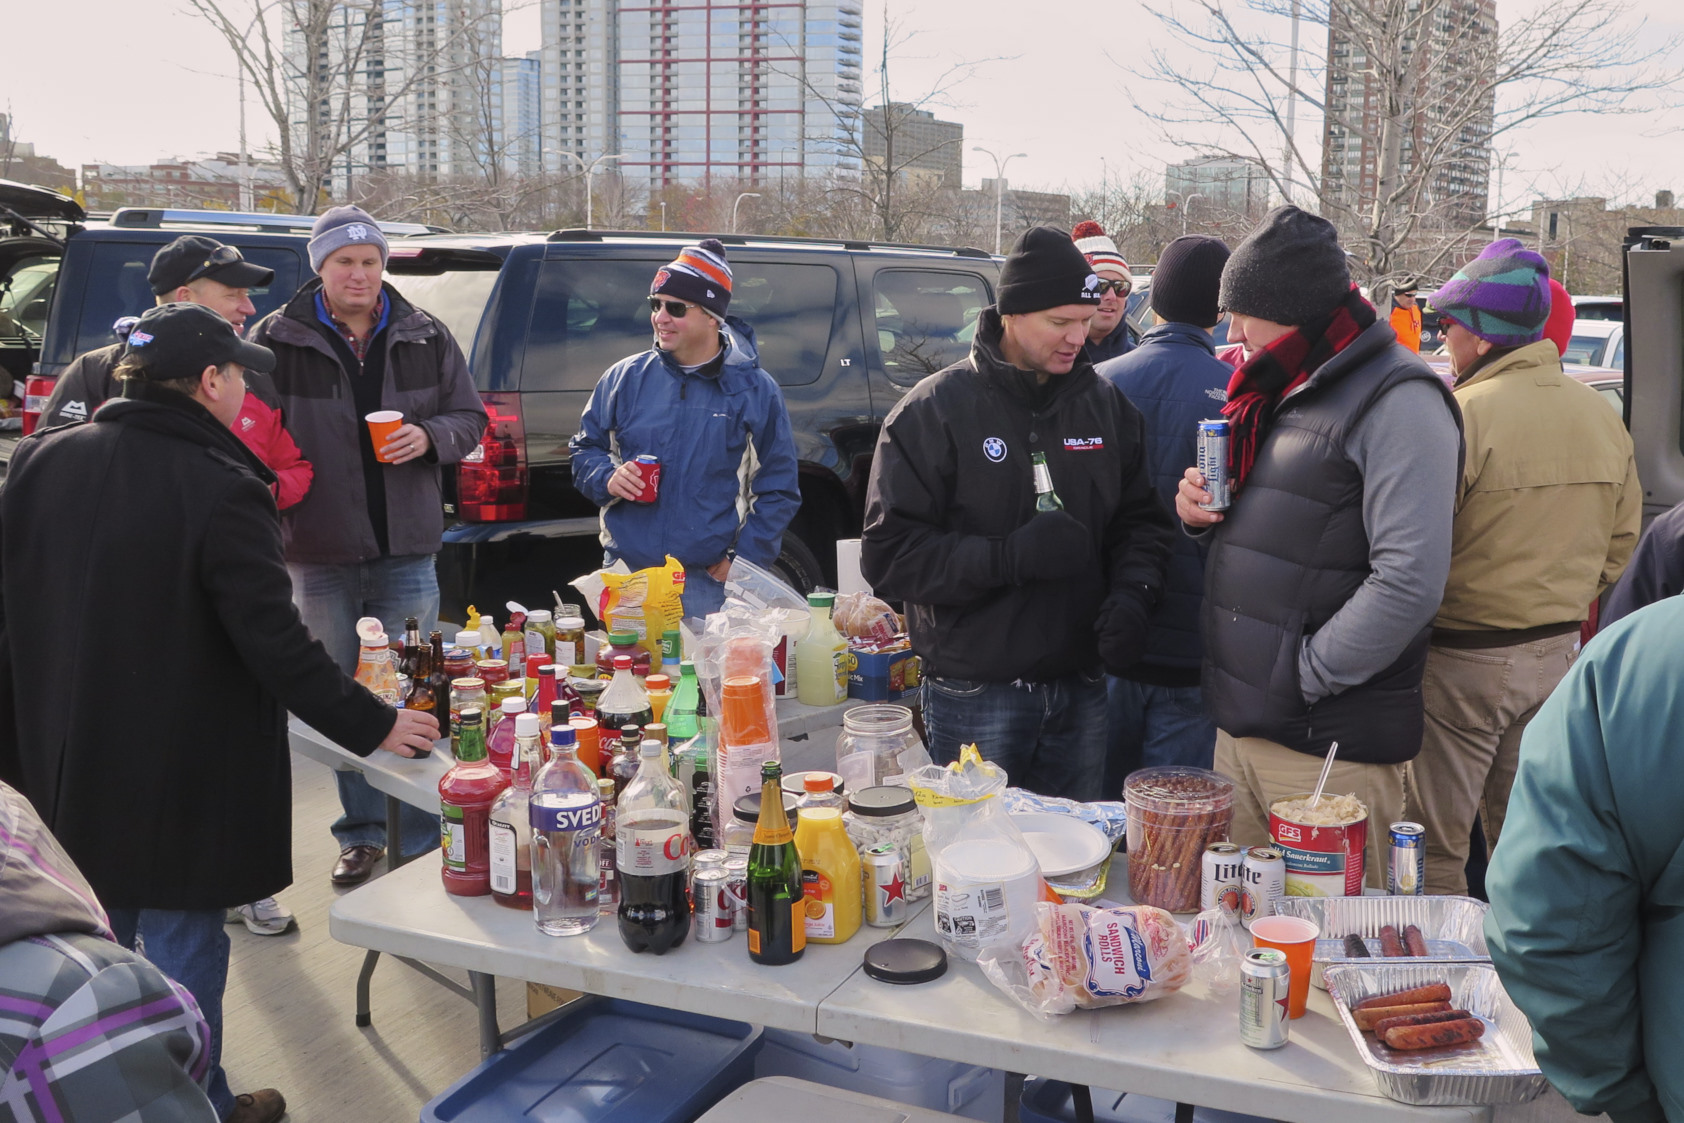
pixel 780 1099
pixel 1048 1101
pixel 907 1078
pixel 608 1061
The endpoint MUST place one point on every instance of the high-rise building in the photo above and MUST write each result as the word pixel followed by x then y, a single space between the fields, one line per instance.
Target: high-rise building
pixel 521 140
pixel 1456 44
pixel 686 89
pixel 1231 185
pixel 921 143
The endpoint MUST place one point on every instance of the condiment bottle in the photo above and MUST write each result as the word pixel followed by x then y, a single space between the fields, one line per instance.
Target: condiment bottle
pixel 511 818
pixel 660 695
pixel 375 670
pixel 622 643
pixel 465 693
pixel 821 673
pixel 500 747
pixel 514 641
pixel 570 640
pixel 533 662
pixel 624 702
pixel 589 736
pixel 540 633
pixel 681 710
pixel 830 874
pixel 777 926
pixel 469 640
pixel 466 793
pixel 545 693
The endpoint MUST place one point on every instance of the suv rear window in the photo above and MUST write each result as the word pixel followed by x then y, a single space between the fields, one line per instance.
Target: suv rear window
pixel 591 313
pixel 457 297
pixel 925 319
pixel 117 287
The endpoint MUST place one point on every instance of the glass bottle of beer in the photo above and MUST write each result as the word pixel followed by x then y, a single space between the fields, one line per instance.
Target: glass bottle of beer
pixel 777 918
pixel 438 675
pixel 1046 499
pixel 413 652
pixel 420 695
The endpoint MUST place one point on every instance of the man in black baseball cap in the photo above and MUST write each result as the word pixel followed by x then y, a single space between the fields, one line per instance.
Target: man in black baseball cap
pixel 192 269
pixel 1011 510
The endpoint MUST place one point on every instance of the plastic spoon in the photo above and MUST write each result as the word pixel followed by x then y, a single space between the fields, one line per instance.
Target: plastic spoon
pixel 1326 767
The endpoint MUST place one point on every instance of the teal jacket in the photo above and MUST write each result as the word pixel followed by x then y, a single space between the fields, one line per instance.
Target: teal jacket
pixel 1587 885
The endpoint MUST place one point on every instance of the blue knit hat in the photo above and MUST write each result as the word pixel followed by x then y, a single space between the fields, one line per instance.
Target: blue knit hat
pixel 1502 296
pixel 700 275
pixel 341 227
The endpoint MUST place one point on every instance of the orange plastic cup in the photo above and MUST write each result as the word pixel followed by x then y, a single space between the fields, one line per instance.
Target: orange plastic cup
pixel 1297 938
pixel 382 423
pixel 590 742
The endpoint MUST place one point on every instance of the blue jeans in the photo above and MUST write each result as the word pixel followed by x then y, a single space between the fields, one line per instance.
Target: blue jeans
pixel 702 594
pixel 1153 725
pixel 190 947
pixel 331 598
pixel 1048 736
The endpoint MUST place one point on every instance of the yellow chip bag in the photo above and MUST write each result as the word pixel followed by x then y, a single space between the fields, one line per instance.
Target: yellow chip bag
pixel 647 602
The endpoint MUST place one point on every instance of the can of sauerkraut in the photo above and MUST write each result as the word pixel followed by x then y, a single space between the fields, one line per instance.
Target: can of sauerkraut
pixel 1323 845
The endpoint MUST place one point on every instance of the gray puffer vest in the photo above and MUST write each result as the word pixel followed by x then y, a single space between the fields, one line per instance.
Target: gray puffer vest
pixel 1289 554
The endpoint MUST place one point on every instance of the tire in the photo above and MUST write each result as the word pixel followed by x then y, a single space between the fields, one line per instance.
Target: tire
pixel 798 565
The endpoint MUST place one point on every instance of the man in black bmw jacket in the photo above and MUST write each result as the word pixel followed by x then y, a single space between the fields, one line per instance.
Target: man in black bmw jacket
pixel 1019 614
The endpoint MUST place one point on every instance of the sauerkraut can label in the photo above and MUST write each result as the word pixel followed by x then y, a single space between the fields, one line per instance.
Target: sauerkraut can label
pixel 1322 860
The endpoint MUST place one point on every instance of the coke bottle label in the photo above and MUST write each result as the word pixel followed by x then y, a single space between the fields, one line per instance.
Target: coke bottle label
pixel 580 817
pixel 651 843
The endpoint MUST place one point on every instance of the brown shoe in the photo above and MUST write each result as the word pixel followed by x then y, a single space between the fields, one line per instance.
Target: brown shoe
pixel 356 863
pixel 262 1106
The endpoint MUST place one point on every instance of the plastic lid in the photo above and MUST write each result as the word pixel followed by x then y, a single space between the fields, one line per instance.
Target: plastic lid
pixel 562 735
pixel 467 684
pixel 629 731
pixel 622 663
pixel 747 809
pixel 821 600
pixel 567 623
pixel 905 961
pixel 465 638
pixel 368 627
pixel 515 706
pixel 546 669
pixel 649 748
pixel 817 782
pixel 687 667
pixel 622 639
pixel 526 725
pixel 882 800
pixel 537 615
pixel 657 682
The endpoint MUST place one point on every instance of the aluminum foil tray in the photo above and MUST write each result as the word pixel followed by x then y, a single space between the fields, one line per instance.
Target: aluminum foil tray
pixel 1454 927
pixel 1497 1069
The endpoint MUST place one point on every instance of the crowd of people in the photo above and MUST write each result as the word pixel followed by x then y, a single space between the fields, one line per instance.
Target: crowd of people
pixel 1403 572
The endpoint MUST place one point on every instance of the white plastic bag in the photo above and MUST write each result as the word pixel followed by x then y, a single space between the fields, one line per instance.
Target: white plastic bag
pixel 1083 957
pixel 1219 947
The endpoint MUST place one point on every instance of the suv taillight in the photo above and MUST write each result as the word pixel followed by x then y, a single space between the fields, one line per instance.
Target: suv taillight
pixel 37 388
pixel 491 481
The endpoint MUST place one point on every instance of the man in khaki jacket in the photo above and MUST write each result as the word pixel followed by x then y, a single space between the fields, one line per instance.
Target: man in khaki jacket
pixel 1547 515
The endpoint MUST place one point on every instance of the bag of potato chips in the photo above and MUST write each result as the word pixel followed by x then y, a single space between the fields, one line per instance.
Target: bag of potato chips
pixel 647 602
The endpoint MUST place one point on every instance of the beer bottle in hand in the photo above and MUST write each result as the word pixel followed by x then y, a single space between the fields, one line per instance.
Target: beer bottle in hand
pixel 1046 499
pixel 777 919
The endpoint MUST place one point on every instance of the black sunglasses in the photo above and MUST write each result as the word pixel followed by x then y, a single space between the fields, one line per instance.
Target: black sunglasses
pixel 222 255
pixel 1121 288
pixel 675 308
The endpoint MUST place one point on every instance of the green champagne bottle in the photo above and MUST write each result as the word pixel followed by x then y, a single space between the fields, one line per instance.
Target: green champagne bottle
pixel 777 919
pixel 1046 499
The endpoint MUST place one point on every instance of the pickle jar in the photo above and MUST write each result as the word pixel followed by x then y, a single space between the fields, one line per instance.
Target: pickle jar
pixel 570 640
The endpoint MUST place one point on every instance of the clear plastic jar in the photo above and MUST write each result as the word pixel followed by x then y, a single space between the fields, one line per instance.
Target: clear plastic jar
pixel 868 751
pixel 1174 812
pixel 888 814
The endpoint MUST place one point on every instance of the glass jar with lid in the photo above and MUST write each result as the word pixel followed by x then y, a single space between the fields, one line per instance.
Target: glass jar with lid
pixel 869 749
pixel 888 814
pixel 745 813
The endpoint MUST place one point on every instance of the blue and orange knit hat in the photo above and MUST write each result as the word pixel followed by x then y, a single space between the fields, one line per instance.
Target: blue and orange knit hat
pixel 1502 296
pixel 699 275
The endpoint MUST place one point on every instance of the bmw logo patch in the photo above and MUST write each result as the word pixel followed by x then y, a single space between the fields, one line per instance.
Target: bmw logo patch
pixel 994 448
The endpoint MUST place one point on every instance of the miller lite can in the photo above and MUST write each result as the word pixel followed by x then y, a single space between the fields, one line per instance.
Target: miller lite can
pixel 1223 877
pixel 1214 437
pixel 1265 883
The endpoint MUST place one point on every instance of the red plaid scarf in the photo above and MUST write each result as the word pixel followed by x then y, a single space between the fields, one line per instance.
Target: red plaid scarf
pixel 1264 380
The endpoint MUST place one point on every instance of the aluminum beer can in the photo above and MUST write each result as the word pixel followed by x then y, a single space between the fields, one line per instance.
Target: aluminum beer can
pixel 710 902
pixel 1406 860
pixel 736 884
pixel 649 471
pixel 885 885
pixel 1223 877
pixel 1265 883
pixel 705 858
pixel 1214 438
pixel 1264 978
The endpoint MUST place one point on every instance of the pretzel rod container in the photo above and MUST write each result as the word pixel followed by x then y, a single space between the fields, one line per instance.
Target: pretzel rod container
pixel 1174 812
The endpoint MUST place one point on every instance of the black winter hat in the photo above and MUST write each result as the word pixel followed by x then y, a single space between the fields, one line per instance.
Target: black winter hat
pixel 1186 281
pixel 1045 270
pixel 1290 270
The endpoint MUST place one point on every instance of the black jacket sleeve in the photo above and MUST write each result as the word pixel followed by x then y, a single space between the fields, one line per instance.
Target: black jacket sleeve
pixel 905 554
pixel 1654 573
pixel 1141 532
pixel 243 569
pixel 87 382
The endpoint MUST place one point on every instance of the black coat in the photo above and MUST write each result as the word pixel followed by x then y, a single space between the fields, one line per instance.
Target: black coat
pixel 149 652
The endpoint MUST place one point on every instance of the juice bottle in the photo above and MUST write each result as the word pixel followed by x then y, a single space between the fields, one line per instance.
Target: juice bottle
pixel 622 643
pixel 830 876
pixel 821 675
pixel 466 794
pixel 500 746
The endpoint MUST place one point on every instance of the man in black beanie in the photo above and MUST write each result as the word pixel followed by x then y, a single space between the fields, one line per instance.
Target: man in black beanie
pixel 1174 378
pixel 1326 569
pixel 1011 510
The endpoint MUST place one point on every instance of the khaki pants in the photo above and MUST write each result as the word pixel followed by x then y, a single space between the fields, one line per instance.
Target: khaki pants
pixel 1264 772
pixel 1478 703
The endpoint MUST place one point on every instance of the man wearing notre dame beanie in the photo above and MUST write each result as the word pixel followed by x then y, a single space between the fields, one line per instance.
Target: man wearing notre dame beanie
pixel 1324 572
pixel 1011 510
pixel 1175 379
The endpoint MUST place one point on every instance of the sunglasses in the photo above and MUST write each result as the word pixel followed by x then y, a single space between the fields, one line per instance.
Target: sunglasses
pixel 222 255
pixel 677 309
pixel 1121 288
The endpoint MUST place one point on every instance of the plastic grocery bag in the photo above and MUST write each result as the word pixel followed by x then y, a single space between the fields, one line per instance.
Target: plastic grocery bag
pixel 1083 957
pixel 734 668
pixel 987 881
pixel 647 602
pixel 1219 947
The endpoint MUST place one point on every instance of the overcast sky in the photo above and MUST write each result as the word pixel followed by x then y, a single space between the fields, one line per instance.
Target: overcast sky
pixel 133 81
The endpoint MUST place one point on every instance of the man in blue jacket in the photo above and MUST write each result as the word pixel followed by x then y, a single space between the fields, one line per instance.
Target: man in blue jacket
pixel 699 402
pixel 1586 926
pixel 1157 712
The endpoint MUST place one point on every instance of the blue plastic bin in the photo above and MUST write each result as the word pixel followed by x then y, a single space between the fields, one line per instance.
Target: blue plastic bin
pixel 610 1062
pixel 1048 1101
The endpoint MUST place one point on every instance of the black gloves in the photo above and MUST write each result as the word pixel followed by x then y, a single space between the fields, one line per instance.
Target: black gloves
pixel 1049 547
pixel 1121 626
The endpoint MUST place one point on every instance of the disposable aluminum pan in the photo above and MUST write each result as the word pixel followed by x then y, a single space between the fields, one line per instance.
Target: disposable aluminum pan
pixel 1497 1069
pixel 1454 927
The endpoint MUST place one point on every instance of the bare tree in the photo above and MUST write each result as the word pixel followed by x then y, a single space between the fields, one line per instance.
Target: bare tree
pixel 1420 90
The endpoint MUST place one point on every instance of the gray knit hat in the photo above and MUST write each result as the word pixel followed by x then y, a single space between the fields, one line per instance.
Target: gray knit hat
pixel 341 227
pixel 1290 270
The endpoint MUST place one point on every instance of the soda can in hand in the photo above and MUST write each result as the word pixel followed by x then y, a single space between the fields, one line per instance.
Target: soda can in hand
pixel 648 469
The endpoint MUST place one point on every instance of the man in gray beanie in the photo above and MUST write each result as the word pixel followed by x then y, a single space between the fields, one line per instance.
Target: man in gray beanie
pixel 1011 510
pixel 363 543
pixel 1325 570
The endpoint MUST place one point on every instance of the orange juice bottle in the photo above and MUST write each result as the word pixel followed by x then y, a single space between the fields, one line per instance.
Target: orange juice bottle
pixel 830 876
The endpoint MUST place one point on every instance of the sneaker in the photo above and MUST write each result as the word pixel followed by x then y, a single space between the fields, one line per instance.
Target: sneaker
pixel 262 1106
pixel 267 917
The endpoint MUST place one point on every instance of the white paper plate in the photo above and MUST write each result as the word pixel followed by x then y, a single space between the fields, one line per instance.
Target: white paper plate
pixel 1063 844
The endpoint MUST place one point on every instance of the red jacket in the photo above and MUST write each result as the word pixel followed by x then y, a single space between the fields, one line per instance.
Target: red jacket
pixel 259 426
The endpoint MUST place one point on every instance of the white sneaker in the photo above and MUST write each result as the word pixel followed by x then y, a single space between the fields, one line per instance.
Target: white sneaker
pixel 267 917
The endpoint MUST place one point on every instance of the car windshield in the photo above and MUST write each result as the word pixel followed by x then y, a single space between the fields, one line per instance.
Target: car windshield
pixel 1585 349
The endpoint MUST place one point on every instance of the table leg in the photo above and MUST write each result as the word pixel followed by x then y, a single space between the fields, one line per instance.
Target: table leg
pixel 485 997
pixel 365 1017
pixel 1183 1113
pixel 1081 1099
pixel 394 837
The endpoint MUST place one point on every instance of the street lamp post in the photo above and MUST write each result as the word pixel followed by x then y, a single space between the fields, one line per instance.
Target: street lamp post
pixel 738 203
pixel 999 185
pixel 663 216
pixel 1185 200
pixel 590 175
